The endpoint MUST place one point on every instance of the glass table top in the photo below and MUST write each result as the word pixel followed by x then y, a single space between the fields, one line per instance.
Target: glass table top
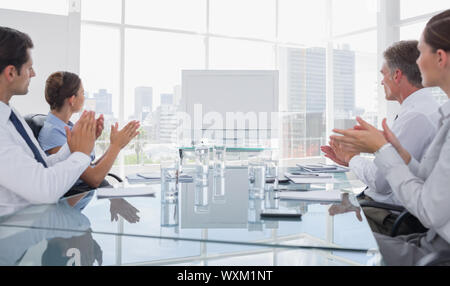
pixel 223 214
pixel 35 247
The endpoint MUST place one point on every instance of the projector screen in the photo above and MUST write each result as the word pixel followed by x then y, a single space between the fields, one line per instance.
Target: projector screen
pixel 237 107
pixel 225 91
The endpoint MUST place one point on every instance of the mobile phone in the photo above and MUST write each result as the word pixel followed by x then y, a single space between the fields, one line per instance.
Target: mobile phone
pixel 280 214
pixel 283 180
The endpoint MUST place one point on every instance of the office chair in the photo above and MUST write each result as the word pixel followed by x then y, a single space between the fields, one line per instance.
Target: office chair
pixel 438 258
pixel 36 121
pixel 405 217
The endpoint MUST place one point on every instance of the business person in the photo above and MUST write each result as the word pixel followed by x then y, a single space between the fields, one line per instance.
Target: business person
pixel 65 94
pixel 423 188
pixel 415 127
pixel 27 175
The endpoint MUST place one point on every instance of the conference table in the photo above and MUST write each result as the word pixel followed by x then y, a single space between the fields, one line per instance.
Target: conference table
pixel 215 223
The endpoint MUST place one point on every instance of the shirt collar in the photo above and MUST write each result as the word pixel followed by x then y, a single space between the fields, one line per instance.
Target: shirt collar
pixel 417 96
pixel 51 118
pixel 5 112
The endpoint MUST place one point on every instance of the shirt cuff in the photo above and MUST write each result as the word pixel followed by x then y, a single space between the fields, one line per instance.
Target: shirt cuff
pixel 414 166
pixel 385 146
pixel 387 157
pixel 65 151
pixel 80 158
pixel 355 161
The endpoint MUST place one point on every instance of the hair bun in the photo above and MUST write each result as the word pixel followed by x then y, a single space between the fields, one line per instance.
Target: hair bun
pixel 59 86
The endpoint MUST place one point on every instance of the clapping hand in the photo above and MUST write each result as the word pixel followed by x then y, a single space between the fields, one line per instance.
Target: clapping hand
pixel 82 136
pixel 100 123
pixel 391 138
pixel 336 153
pixel 123 137
pixel 362 138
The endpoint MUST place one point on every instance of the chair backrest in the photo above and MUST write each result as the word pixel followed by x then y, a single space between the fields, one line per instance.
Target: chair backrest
pixel 35 121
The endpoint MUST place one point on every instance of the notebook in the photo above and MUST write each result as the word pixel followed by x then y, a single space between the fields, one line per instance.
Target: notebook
pixel 124 192
pixel 322 168
pixel 312 179
pixel 323 196
pixel 138 178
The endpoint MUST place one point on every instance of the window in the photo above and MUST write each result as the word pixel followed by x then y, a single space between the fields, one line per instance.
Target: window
pixel 355 79
pixel 250 18
pixel 153 64
pixel 240 54
pixel 57 7
pixel 346 20
pixel 413 31
pixel 161 38
pixel 102 10
pixel 303 90
pixel 302 22
pixel 168 14
pixel 413 8
pixel 100 72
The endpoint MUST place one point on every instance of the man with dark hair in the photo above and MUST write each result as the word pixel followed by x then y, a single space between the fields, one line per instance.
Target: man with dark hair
pixel 27 175
pixel 415 126
pixel 13 48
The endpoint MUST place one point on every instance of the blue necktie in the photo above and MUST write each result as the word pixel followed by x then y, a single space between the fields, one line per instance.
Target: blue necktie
pixel 16 122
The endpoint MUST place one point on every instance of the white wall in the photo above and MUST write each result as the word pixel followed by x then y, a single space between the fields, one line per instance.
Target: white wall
pixel 56 42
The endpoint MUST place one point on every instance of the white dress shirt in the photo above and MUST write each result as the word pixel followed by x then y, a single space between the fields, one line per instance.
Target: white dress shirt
pixel 423 188
pixel 415 128
pixel 23 180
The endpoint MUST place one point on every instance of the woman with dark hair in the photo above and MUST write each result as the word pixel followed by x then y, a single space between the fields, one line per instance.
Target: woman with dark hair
pixel 422 187
pixel 64 93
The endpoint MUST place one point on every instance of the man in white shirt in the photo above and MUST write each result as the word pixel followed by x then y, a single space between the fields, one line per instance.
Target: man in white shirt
pixel 415 126
pixel 27 175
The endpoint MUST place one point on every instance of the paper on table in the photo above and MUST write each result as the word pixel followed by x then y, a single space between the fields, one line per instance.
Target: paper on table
pixel 325 180
pixel 326 196
pixel 150 176
pixel 135 179
pixel 323 168
pixel 307 175
pixel 124 192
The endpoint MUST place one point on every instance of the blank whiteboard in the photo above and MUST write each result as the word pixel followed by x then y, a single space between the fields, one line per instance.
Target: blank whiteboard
pixel 225 91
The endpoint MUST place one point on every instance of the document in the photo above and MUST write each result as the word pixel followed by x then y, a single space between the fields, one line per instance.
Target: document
pixel 307 175
pixel 323 168
pixel 150 176
pixel 320 179
pixel 143 178
pixel 324 196
pixel 125 192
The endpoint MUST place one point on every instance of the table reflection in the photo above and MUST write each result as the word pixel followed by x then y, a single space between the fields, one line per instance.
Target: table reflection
pixel 62 247
pixel 345 206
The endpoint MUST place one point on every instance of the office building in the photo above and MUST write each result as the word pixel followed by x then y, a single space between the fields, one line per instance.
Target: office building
pixel 103 102
pixel 143 102
pixel 303 80
pixel 164 120
pixel 167 99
